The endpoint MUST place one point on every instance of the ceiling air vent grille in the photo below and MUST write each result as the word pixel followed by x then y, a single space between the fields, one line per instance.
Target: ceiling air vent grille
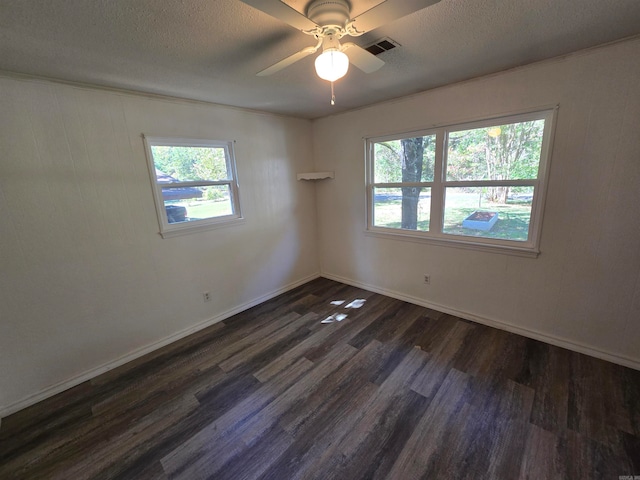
pixel 382 45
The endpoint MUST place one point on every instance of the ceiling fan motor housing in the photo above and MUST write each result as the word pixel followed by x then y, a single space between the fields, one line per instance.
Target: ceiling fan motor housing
pixel 329 12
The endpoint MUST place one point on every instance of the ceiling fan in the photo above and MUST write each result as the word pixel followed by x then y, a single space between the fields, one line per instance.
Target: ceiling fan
pixel 330 20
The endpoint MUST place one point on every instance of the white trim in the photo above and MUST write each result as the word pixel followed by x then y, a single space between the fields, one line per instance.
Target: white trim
pixel 444 240
pixel 525 332
pixel 435 127
pixel 6 410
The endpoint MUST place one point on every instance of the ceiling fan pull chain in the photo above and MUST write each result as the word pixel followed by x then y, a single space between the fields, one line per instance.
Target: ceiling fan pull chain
pixel 333 96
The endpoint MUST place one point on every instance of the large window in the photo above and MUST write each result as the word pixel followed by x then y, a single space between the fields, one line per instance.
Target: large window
pixel 195 183
pixel 478 184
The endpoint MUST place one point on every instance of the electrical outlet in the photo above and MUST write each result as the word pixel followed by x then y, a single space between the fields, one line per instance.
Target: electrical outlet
pixel 427 279
pixel 206 296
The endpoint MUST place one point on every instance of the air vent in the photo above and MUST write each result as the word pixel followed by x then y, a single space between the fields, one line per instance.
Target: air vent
pixel 382 45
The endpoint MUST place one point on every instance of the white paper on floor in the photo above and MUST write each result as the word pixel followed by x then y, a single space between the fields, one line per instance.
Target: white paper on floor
pixel 337 302
pixel 356 303
pixel 340 316
pixel 329 319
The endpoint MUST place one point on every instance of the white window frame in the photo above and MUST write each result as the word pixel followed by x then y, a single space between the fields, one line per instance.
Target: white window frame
pixel 180 228
pixel 439 184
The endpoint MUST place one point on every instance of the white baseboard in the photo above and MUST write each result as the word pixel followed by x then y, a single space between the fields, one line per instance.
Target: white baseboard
pixel 94 372
pixel 525 332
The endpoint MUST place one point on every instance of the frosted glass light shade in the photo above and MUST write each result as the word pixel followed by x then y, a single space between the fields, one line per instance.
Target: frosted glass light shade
pixel 332 65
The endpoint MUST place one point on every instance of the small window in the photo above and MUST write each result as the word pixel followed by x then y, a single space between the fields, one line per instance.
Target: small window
pixel 195 183
pixel 477 184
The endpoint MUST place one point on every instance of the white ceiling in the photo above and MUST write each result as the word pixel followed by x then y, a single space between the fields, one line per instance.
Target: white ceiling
pixel 211 49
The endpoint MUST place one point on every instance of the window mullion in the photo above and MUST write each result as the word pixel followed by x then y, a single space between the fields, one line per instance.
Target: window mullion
pixel 369 179
pixel 437 190
pixel 492 183
pixel 194 183
pixel 403 184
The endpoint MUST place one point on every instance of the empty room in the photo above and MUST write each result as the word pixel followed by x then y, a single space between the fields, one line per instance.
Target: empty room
pixel 319 239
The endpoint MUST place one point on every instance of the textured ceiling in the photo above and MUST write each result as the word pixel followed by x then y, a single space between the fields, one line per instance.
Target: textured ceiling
pixel 211 49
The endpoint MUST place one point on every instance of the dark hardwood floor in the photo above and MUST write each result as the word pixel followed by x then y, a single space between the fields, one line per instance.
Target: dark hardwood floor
pixel 393 391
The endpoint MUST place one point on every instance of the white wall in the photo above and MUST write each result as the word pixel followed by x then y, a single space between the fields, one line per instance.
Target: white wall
pixel 583 291
pixel 85 280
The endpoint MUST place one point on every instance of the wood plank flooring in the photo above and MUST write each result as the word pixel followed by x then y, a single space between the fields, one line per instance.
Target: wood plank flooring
pixel 393 391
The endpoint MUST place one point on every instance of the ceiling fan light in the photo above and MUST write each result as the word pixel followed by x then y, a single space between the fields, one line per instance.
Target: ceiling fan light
pixel 332 65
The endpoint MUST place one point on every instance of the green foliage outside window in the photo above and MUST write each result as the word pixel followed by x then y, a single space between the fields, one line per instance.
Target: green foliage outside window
pixel 505 152
pixel 193 163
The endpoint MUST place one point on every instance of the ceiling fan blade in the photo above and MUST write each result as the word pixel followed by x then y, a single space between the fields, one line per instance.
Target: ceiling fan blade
pixel 365 61
pixel 288 61
pixel 387 12
pixel 284 12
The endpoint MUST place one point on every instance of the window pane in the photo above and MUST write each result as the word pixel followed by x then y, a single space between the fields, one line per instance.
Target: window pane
pixel 213 201
pixel 501 152
pixel 405 160
pixel 406 208
pixel 180 164
pixel 490 212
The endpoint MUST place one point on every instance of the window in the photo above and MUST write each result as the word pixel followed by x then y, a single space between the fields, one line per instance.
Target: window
pixel 479 184
pixel 195 183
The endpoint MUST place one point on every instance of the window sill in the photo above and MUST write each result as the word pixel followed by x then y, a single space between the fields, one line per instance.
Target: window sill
pixel 188 228
pixel 464 243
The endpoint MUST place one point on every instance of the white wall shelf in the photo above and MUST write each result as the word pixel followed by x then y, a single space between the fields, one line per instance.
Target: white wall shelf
pixel 315 175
